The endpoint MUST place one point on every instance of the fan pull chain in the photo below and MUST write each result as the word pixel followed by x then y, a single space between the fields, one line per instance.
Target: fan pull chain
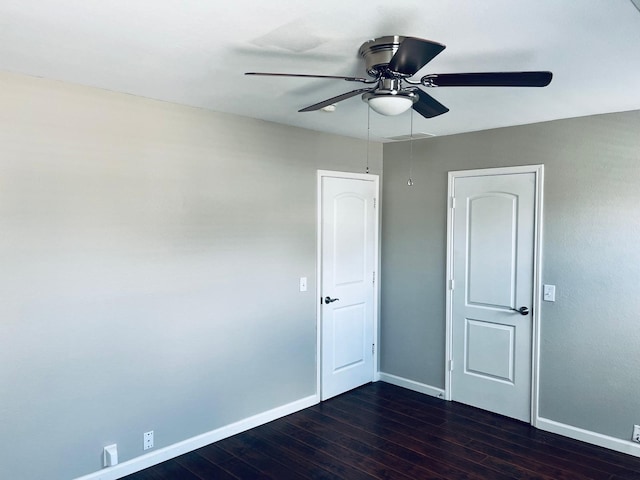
pixel 368 135
pixel 410 181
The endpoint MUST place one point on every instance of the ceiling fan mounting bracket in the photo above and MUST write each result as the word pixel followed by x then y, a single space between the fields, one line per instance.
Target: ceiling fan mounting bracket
pixel 377 54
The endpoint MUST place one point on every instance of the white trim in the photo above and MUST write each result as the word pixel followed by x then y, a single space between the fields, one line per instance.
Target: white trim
pixel 538 171
pixel 376 261
pixel 537 296
pixel 448 282
pixel 193 443
pixel 411 385
pixel 612 443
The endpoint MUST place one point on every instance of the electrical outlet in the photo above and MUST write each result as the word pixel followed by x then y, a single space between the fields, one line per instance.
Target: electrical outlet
pixel 636 433
pixel 148 440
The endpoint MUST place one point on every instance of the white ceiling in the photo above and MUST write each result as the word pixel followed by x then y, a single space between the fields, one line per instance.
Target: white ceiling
pixel 194 52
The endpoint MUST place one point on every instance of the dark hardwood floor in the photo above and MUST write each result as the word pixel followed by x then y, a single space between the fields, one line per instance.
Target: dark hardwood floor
pixel 381 431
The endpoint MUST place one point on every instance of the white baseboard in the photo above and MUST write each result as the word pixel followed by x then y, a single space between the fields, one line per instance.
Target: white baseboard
pixel 180 448
pixel 624 446
pixel 411 385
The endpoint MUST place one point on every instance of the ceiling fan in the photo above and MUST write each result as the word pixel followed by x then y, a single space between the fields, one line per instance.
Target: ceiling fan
pixel 391 61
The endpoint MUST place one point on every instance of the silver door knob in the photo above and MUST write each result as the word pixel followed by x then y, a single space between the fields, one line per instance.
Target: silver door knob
pixel 329 299
pixel 521 310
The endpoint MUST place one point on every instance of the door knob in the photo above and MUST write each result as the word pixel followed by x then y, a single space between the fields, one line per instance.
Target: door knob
pixel 329 299
pixel 521 310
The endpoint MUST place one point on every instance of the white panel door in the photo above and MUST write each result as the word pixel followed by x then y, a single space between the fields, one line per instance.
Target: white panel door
pixel 348 236
pixel 493 262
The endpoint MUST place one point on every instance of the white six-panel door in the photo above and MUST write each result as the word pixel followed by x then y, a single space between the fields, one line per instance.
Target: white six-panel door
pixel 493 243
pixel 348 261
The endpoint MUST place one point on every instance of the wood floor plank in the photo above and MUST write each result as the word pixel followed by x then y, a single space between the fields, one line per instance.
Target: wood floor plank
pixel 247 448
pixel 272 446
pixel 401 446
pixel 243 471
pixel 357 459
pixel 228 462
pixel 403 423
pixel 408 418
pixel 169 469
pixel 493 435
pixel 334 464
pixel 418 439
pixel 630 476
pixel 381 431
pixel 214 453
pixel 408 407
pixel 497 430
pixel 203 468
pixel 482 437
pixel 365 444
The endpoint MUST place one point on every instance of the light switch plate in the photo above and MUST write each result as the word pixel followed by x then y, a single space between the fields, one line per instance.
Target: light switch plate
pixel 303 284
pixel 549 292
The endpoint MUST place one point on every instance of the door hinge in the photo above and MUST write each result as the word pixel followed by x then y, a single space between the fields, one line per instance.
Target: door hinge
pixel 453 202
pixel 375 202
pixel 452 284
pixel 451 365
pixel 374 277
pixel 373 349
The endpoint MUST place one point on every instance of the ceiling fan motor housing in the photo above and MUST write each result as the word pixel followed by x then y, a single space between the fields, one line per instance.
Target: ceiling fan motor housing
pixel 377 53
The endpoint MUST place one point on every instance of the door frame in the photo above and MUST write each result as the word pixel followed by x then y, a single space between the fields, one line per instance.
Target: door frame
pixel 376 260
pixel 538 171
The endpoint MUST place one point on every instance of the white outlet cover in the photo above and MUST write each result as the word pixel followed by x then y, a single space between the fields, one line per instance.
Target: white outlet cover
pixel 148 440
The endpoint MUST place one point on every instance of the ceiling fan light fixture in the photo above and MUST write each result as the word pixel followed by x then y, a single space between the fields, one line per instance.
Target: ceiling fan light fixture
pixel 390 104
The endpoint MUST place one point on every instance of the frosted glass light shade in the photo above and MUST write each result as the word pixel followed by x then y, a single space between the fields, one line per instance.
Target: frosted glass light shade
pixel 390 104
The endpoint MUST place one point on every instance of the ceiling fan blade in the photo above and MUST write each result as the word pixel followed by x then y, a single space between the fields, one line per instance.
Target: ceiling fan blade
pixel 348 79
pixel 413 54
pixel 331 101
pixel 427 106
pixel 488 79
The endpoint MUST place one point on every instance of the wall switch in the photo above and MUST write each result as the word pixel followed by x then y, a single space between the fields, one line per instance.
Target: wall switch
pixel 303 284
pixel 110 455
pixel 549 293
pixel 148 440
pixel 636 433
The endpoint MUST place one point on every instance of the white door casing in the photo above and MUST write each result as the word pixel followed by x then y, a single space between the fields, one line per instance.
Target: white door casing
pixel 493 269
pixel 348 240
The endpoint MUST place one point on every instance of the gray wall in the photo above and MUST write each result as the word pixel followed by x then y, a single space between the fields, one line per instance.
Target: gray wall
pixel 150 260
pixel 590 343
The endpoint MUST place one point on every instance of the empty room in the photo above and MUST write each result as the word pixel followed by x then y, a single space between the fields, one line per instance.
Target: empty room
pixel 301 240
